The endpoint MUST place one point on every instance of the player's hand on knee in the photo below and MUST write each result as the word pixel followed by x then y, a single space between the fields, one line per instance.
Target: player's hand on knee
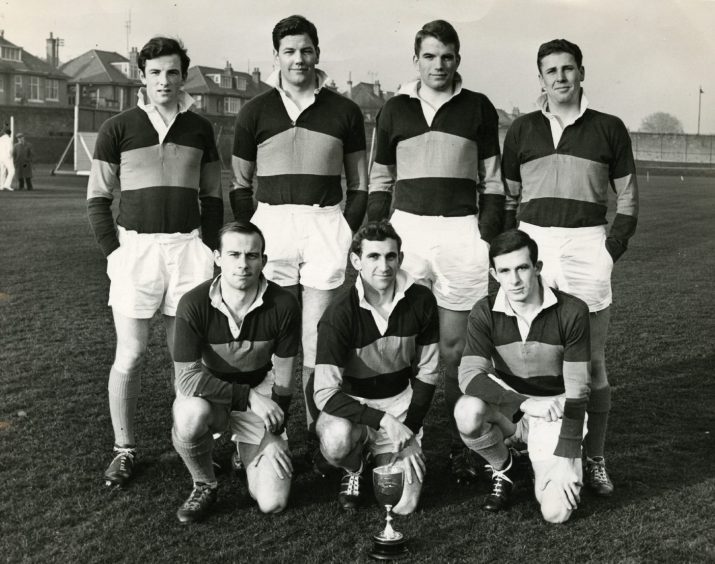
pixel 567 482
pixel 413 461
pixel 398 433
pixel 275 450
pixel 551 409
pixel 266 409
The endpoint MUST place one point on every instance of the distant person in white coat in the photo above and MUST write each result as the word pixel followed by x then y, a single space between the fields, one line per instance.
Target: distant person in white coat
pixel 7 170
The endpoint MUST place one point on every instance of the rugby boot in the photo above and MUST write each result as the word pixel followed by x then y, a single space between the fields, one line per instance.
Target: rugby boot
pixel 502 485
pixel 121 468
pixel 467 466
pixel 198 505
pixel 351 489
pixel 596 478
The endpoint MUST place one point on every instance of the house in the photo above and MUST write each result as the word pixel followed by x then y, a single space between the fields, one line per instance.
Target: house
pixel 370 98
pixel 222 92
pixel 107 79
pixel 26 80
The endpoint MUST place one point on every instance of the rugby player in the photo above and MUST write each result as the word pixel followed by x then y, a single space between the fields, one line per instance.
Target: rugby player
pixel 559 163
pixel 236 340
pixel 163 160
pixel 438 150
pixel 370 343
pixel 525 374
pixel 299 137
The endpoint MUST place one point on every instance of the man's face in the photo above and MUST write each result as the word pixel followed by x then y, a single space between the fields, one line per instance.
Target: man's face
pixel 297 57
pixel 241 260
pixel 378 263
pixel 561 78
pixel 163 80
pixel 437 63
pixel 516 274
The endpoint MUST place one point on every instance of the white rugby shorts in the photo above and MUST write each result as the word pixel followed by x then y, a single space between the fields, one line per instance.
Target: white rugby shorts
pixel 576 261
pixel 377 440
pixel 305 245
pixel 446 254
pixel 246 426
pixel 151 271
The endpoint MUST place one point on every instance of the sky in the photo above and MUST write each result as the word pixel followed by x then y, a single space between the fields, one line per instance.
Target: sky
pixel 640 56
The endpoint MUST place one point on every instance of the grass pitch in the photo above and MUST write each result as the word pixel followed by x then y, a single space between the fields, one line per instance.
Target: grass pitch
pixel 56 347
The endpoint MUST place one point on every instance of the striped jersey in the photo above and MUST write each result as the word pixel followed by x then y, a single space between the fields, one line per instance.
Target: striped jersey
pixel 223 353
pixel 567 185
pixel 296 161
pixel 501 368
pixel 169 186
pixel 360 355
pixel 442 167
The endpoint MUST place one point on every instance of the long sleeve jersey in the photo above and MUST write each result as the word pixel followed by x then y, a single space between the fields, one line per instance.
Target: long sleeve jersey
pixel 362 356
pixel 223 355
pixel 299 161
pixel 553 359
pixel 567 185
pixel 448 167
pixel 167 186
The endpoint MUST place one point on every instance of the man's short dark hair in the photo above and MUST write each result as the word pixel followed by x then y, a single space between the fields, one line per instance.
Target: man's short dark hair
pixel 374 231
pixel 440 30
pixel 559 46
pixel 245 227
pixel 294 25
pixel 511 241
pixel 161 46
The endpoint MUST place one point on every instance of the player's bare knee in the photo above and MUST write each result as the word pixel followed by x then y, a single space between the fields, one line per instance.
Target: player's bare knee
pixel 470 415
pixel 336 439
pixel 191 417
pixel 271 505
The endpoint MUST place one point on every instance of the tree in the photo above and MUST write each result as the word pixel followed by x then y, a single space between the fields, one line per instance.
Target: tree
pixel 661 122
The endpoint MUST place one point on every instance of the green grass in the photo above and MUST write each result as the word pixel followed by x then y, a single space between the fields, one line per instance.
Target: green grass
pixel 56 347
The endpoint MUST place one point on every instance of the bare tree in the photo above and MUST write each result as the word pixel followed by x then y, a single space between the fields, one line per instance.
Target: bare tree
pixel 661 122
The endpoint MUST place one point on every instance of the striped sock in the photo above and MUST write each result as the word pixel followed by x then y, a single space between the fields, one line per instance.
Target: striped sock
pixel 491 447
pixel 599 406
pixel 197 456
pixel 124 388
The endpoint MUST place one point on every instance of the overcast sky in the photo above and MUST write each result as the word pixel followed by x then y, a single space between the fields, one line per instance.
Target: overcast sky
pixel 641 56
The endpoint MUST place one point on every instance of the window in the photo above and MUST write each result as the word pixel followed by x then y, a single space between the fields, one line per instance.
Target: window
pixel 231 105
pixel 18 87
pixel 35 88
pixel 53 89
pixel 215 77
pixel 226 81
pixel 10 53
pixel 240 83
pixel 2 86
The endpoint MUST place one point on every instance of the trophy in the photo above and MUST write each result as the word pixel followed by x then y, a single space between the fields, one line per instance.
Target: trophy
pixel 388 482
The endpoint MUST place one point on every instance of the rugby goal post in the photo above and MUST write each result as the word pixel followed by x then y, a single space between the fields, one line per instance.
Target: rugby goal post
pixel 82 144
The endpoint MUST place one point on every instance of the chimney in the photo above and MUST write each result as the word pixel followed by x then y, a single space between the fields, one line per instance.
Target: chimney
pixel 376 89
pixel 256 74
pixel 133 63
pixel 350 85
pixel 52 51
pixel 228 70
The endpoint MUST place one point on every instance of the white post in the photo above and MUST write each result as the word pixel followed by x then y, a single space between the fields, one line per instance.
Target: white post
pixel 76 124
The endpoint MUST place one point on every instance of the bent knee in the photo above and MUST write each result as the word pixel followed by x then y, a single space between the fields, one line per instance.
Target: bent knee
pixel 469 413
pixel 336 437
pixel 191 417
pixel 554 511
pixel 272 506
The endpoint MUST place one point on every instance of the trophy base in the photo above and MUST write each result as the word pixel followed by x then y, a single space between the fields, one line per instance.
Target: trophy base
pixel 388 549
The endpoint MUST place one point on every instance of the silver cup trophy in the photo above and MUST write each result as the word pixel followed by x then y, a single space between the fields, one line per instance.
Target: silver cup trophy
pixel 388 482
